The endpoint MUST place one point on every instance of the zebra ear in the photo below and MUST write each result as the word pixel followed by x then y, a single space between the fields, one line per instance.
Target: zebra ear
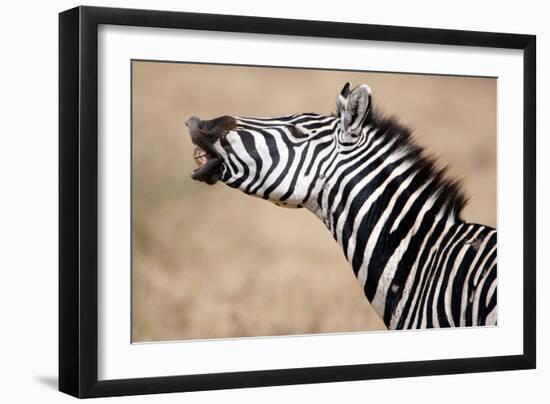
pixel 357 109
pixel 342 99
pixel 345 91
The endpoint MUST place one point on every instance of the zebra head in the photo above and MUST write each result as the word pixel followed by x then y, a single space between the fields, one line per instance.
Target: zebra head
pixel 282 159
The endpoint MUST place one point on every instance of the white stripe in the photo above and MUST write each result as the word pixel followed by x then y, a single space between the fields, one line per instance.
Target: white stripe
pixel 263 151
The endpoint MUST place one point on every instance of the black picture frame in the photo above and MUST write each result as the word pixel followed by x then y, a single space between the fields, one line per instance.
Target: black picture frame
pixel 78 201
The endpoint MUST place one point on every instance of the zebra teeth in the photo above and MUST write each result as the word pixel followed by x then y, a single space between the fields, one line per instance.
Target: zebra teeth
pixel 200 156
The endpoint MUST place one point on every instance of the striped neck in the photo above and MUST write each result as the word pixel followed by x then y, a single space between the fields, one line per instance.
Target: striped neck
pixel 379 199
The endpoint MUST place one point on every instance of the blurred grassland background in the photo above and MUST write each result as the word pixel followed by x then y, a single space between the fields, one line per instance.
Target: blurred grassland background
pixel 211 262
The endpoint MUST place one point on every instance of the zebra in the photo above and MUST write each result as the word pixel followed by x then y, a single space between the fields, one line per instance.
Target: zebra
pixel 395 213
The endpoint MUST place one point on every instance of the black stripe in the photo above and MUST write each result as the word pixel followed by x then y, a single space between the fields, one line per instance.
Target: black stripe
pixel 284 172
pixel 295 176
pixel 275 157
pixel 249 144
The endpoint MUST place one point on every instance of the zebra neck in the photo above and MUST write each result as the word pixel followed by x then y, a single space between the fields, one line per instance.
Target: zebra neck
pixel 381 217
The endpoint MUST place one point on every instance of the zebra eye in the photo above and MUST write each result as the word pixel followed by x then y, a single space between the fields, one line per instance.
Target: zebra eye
pixel 296 132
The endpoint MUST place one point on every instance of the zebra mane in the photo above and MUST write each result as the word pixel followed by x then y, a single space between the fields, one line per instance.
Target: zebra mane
pixel 445 185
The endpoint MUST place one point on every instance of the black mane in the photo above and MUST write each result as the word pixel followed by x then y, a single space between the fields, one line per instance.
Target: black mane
pixel 449 188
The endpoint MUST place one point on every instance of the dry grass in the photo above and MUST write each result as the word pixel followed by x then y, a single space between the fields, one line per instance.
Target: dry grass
pixel 210 262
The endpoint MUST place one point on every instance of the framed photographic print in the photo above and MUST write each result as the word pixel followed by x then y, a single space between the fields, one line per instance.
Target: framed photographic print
pixel 251 201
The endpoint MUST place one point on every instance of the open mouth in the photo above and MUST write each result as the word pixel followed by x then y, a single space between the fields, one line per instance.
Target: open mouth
pixel 204 134
pixel 208 166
